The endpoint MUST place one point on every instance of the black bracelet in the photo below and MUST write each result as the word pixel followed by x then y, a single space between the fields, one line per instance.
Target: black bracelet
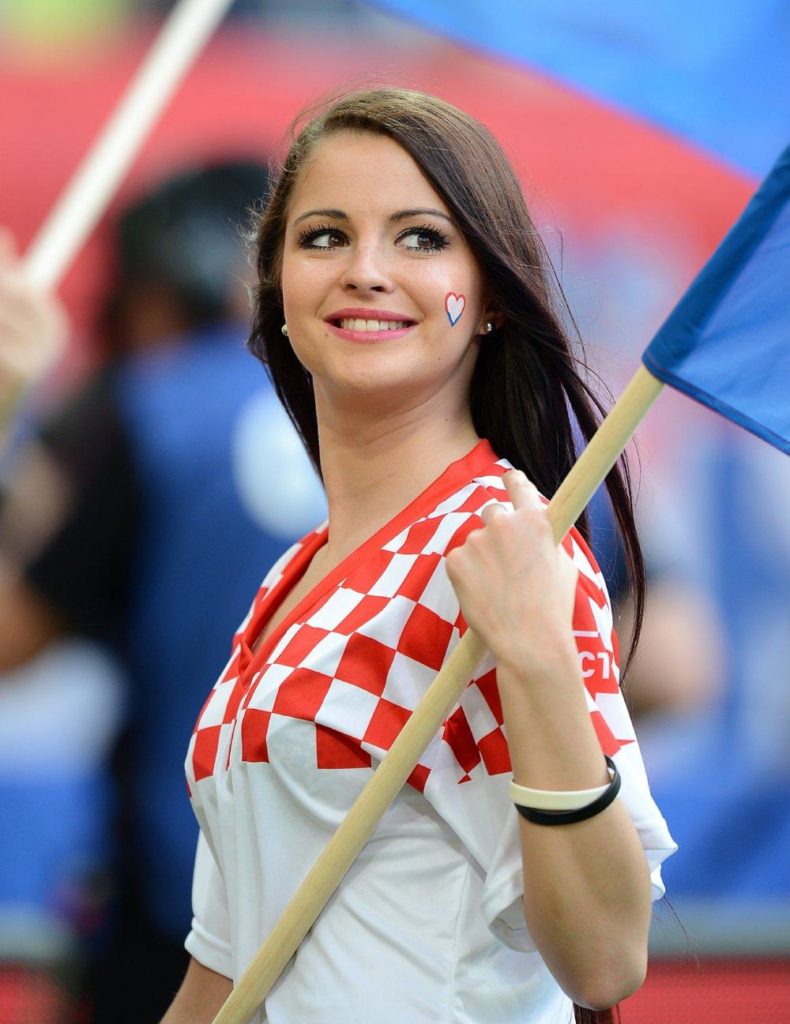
pixel 569 817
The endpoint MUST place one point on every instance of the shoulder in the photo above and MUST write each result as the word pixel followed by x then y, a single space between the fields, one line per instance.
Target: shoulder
pixel 445 524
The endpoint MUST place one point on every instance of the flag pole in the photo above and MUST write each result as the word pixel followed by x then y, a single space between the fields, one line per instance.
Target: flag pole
pixel 85 198
pixel 444 692
pixel 92 186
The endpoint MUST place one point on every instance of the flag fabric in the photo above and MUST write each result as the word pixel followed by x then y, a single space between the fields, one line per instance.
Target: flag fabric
pixel 727 342
pixel 716 74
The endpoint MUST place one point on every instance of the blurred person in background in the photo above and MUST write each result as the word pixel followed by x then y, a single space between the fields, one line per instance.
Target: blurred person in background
pixel 173 451
pixel 67 516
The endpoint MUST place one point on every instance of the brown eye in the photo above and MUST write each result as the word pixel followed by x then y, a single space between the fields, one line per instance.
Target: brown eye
pixel 423 239
pixel 321 238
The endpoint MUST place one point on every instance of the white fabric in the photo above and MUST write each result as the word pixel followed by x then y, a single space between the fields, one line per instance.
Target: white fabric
pixel 428 925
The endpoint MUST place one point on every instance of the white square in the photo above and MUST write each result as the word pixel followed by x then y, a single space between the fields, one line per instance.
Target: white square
pixel 397 542
pixel 387 625
pixel 612 707
pixel 456 500
pixel 214 711
pixel 582 563
pixel 445 531
pixel 347 709
pixel 393 576
pixel 327 654
pixel 267 685
pixel 332 613
pixel 478 714
pixel 604 622
pixel 439 595
pixel 407 681
pixel 285 639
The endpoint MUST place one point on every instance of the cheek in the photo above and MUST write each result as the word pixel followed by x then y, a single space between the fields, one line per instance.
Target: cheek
pixel 456 294
pixel 303 283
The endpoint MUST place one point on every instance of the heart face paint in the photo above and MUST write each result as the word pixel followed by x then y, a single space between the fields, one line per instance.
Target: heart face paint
pixel 454 304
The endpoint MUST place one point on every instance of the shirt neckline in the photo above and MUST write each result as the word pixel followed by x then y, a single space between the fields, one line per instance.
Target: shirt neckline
pixel 459 472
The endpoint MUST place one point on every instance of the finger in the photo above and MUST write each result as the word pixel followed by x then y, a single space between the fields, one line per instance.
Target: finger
pixel 490 512
pixel 523 493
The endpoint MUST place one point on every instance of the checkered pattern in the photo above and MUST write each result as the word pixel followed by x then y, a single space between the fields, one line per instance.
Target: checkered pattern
pixel 357 662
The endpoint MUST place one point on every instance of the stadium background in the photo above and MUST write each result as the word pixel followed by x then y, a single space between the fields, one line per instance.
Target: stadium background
pixel 629 211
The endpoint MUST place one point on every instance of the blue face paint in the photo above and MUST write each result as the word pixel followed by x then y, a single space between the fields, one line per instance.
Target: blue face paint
pixel 454 304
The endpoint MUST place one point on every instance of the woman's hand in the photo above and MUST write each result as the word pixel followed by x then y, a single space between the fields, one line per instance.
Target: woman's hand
pixel 33 324
pixel 516 587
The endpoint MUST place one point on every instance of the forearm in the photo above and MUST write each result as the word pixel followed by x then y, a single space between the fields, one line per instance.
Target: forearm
pixel 586 885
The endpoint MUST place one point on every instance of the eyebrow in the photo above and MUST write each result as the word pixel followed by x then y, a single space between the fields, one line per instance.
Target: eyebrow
pixel 400 215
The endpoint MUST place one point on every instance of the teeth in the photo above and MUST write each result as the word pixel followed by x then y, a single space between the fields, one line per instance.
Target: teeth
pixel 372 325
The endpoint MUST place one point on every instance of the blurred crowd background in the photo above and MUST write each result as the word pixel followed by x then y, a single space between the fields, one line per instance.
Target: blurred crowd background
pixel 149 482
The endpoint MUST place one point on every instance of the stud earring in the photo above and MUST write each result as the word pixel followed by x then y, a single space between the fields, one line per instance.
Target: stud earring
pixel 284 330
pixel 488 327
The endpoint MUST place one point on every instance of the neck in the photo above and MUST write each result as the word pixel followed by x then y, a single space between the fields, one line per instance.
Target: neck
pixel 374 465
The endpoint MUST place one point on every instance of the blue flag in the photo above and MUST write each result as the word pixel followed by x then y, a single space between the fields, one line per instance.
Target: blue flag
pixel 717 74
pixel 727 342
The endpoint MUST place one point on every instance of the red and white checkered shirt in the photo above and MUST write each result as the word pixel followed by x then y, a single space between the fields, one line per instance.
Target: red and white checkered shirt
pixel 428 924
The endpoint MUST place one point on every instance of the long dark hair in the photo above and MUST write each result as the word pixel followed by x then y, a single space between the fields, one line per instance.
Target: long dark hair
pixel 530 385
pixel 530 392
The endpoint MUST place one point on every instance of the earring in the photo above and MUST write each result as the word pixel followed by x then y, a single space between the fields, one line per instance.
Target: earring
pixel 284 330
pixel 488 327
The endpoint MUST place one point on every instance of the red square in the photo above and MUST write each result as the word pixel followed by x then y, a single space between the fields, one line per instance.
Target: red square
pixel 591 588
pixel 365 663
pixel 418 576
pixel 419 777
pixel 458 736
pixel 425 637
pixel 487 685
pixel 300 645
pixel 367 608
pixel 419 535
pixel 369 571
pixel 583 618
pixel 301 694
pixel 254 729
pixel 234 700
pixel 493 750
pixel 204 753
pixel 479 496
pixel 387 721
pixel 334 750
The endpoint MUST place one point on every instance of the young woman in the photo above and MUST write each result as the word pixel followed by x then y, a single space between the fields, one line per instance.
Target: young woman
pixel 405 316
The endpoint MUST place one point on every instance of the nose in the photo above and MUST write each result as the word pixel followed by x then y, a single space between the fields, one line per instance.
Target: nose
pixel 366 270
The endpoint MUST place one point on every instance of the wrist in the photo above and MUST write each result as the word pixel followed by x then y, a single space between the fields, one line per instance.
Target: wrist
pixel 553 664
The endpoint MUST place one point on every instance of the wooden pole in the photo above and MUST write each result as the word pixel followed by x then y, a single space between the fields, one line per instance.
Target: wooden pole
pixel 85 198
pixel 444 692
pixel 82 202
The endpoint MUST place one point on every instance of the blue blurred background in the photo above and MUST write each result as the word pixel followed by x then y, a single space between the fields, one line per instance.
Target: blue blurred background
pixel 639 132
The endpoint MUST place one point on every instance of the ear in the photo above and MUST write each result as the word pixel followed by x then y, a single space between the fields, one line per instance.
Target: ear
pixel 490 316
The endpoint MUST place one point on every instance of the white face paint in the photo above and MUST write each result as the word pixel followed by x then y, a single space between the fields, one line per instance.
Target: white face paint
pixel 275 479
pixel 454 305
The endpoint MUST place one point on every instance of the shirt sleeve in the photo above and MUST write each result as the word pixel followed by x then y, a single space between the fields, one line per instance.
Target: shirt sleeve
pixel 209 940
pixel 475 800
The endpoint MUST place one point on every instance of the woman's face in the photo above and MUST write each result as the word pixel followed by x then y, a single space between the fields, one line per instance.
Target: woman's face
pixel 381 292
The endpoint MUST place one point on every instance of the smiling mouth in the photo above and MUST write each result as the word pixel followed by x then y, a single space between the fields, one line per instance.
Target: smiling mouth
pixel 371 326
